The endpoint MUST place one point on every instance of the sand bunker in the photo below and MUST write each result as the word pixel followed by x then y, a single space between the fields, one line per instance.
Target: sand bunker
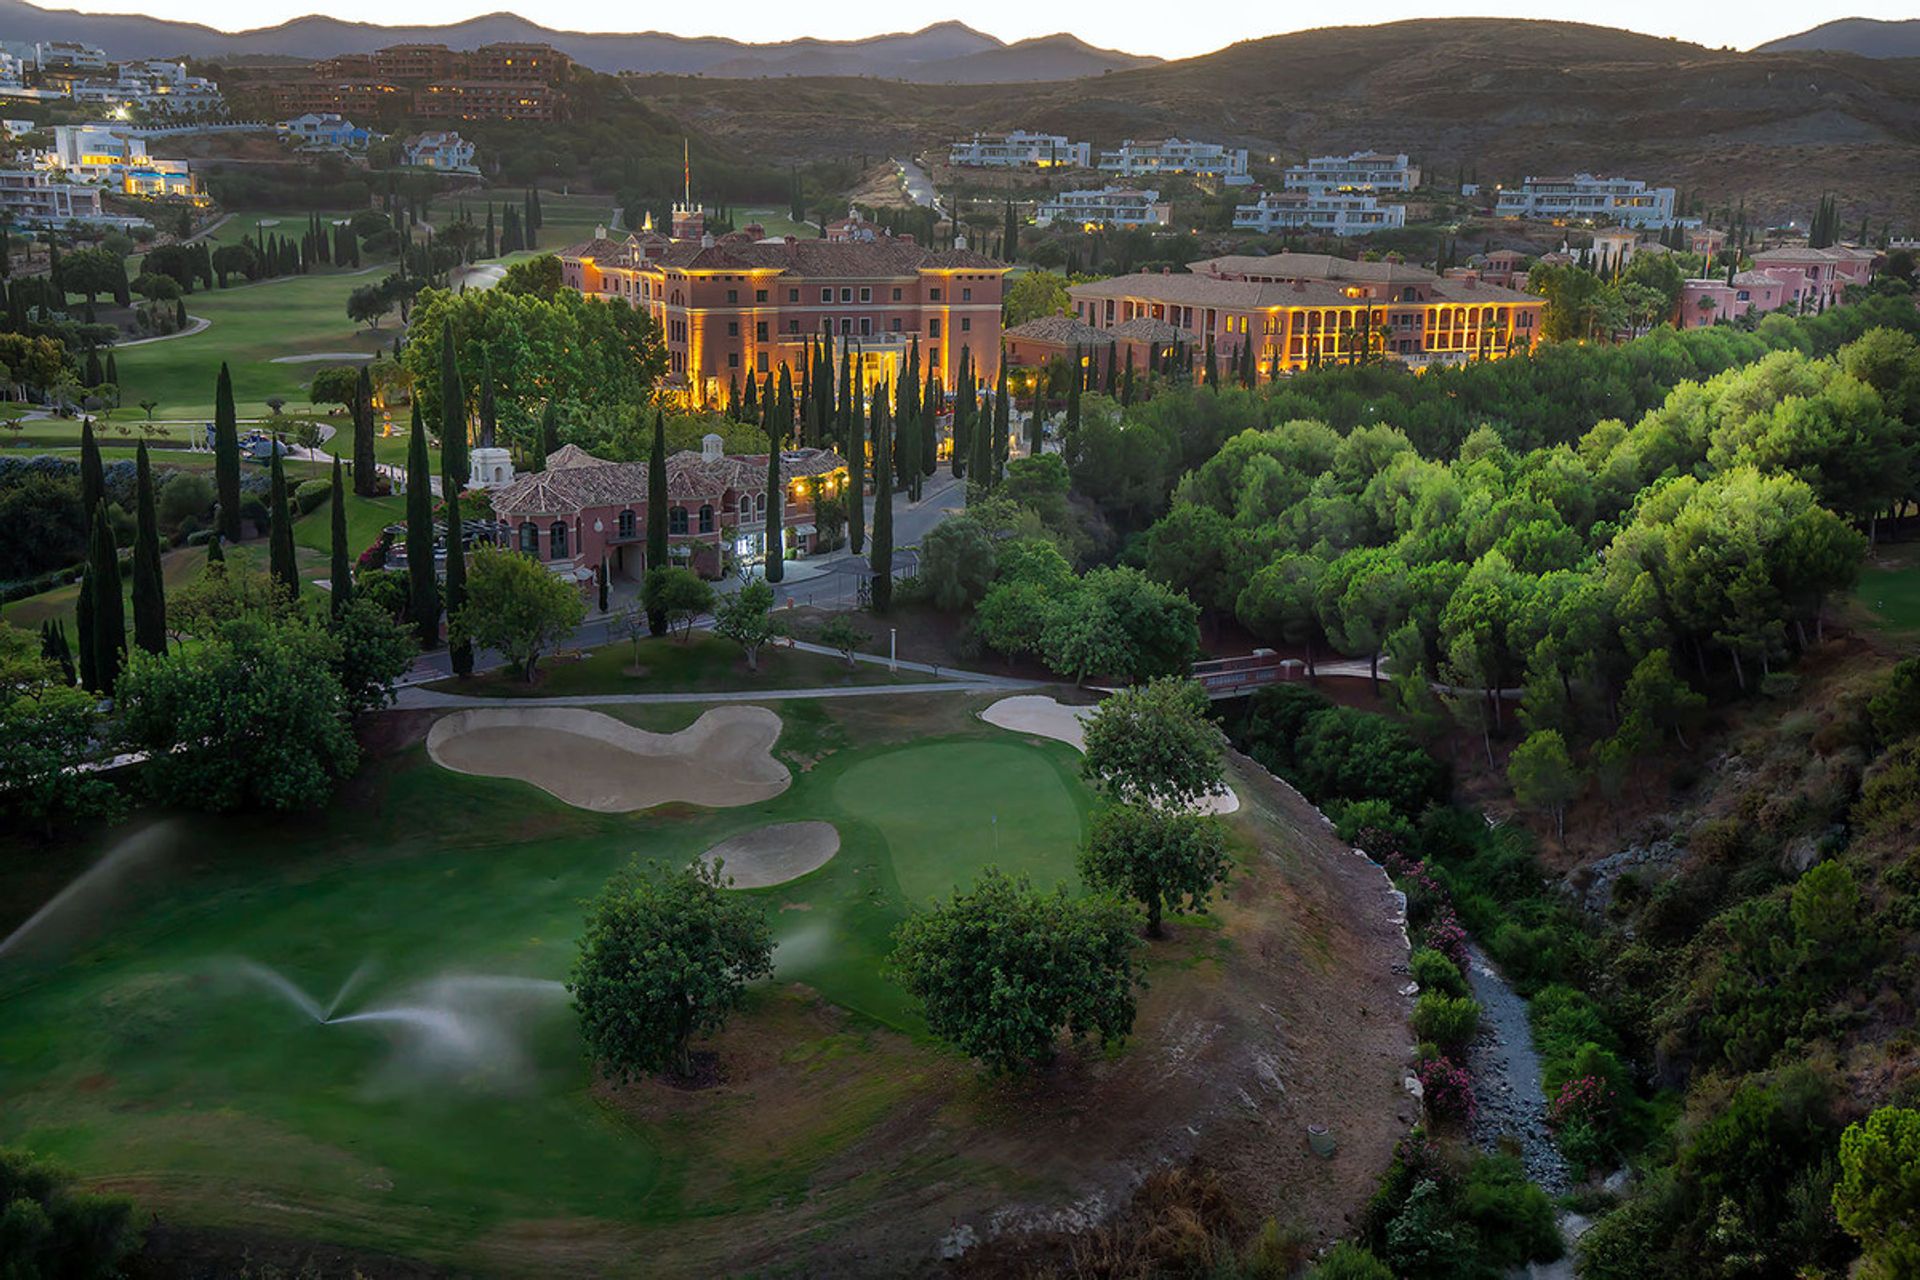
pixel 774 855
pixel 1046 717
pixel 593 761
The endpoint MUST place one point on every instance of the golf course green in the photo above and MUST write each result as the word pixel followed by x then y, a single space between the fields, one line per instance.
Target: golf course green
pixel 348 1026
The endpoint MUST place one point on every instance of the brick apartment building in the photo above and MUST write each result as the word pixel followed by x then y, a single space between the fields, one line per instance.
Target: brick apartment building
pixel 1299 309
pixel 493 82
pixel 740 305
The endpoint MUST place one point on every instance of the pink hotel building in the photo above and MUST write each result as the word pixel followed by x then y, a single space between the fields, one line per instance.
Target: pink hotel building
pixel 739 305
pixel 1794 276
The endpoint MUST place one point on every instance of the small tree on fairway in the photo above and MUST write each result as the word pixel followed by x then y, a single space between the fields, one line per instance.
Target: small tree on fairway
pixel 516 606
pixel 841 634
pixel 666 954
pixel 1157 857
pixel 1003 970
pixel 1543 776
pixel 678 595
pixel 747 620
pixel 1153 745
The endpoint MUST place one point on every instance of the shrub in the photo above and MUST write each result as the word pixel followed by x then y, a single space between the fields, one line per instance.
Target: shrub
pixel 1448 1021
pixel 311 493
pixel 1514 1218
pixel 1350 1262
pixel 48 1228
pixel 1446 1087
pixel 1435 972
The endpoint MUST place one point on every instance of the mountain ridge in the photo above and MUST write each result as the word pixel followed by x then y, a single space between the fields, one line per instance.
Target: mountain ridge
pixel 950 47
pixel 1868 37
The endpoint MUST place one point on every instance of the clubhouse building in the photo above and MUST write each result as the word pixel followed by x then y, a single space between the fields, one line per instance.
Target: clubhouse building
pixel 1298 310
pixel 740 305
pixel 582 511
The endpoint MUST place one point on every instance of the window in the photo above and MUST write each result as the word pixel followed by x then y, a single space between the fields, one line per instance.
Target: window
pixel 557 541
pixel 826 295
pixel 866 326
pixel 846 293
pixel 846 325
pixel 966 324
pixel 733 295
pixel 793 295
pixel 966 295
pixel 733 328
pixel 866 293
pixel 761 358
pixel 626 523
pixel 933 295
pixel 530 540
pixel 706 517
pixel 896 324
pixel 896 295
pixel 933 328
pixel 677 520
pixel 760 331
pixel 733 359
pixel 759 295
pixel 793 326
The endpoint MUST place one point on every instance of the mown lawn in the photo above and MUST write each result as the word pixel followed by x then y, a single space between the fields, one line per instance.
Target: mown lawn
pixel 1889 589
pixel 142 1046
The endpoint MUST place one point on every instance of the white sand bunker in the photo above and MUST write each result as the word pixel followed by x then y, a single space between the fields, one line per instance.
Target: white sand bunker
pixel 774 854
pixel 1046 717
pixel 593 761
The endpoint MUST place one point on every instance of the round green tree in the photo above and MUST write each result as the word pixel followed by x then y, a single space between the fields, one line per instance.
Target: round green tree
pixel 1157 857
pixel 1153 745
pixel 667 954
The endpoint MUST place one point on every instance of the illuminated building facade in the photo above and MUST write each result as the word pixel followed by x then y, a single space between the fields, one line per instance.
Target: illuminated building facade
pixel 582 511
pixel 1334 213
pixel 1020 150
pixel 1299 310
pixel 1585 198
pixel 1106 207
pixel 1361 171
pixel 735 306
pixel 1135 159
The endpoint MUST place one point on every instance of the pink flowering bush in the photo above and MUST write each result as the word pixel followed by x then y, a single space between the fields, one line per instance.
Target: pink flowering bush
pixel 1449 938
pixel 1579 1114
pixel 1447 1088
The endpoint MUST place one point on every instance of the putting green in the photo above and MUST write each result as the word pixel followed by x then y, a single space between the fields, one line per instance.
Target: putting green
pixel 157 1037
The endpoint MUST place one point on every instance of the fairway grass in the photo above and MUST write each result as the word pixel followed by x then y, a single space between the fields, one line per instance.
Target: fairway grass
pixel 1889 590
pixel 703 664
pixel 147 1055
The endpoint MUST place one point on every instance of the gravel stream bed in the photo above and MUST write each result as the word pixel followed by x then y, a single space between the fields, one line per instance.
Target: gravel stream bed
pixel 1506 1078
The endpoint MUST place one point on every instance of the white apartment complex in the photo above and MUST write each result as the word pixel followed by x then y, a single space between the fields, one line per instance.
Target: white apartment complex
pixel 439 150
pixel 31 197
pixel 1020 150
pixel 1106 207
pixel 1361 171
pixel 1177 155
pixel 116 158
pixel 1336 213
pixel 1586 198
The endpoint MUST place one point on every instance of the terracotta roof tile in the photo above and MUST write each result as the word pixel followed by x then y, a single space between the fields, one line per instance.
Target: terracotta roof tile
pixel 575 479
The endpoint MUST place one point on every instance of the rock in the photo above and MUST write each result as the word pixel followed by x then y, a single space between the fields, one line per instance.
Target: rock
pixel 1617 1182
pixel 1799 855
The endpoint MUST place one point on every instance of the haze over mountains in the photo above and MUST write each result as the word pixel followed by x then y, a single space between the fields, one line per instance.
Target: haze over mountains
pixel 946 52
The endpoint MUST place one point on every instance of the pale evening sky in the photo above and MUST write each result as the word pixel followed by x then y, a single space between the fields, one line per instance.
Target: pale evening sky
pixel 1132 25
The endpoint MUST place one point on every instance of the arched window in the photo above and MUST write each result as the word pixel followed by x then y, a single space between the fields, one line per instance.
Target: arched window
pixel 706 517
pixel 677 520
pixel 760 504
pixel 626 523
pixel 557 541
pixel 530 540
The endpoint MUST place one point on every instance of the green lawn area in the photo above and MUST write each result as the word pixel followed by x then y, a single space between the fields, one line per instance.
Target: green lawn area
pixel 1889 589
pixel 145 1048
pixel 704 664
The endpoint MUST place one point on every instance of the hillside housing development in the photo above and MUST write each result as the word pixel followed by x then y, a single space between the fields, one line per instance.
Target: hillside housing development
pixel 1106 207
pixel 1361 171
pixel 1585 198
pixel 1299 310
pixel 1020 150
pixel 501 81
pixel 59 70
pixel 1335 213
pixel 1136 158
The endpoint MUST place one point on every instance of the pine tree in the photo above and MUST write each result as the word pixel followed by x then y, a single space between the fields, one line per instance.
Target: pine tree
pixel 226 455
pixel 423 593
pixel 881 555
pixel 453 414
pixel 460 653
pixel 657 553
pixel 149 590
pixel 366 467
pixel 280 556
pixel 340 577
pixel 109 611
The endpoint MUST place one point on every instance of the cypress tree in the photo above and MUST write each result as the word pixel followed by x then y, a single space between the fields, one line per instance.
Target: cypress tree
pixel 109 612
pixel 1002 423
pixel 778 420
pixel 93 482
pixel 881 560
pixel 423 594
pixel 55 649
pixel 280 560
pixel 1212 374
pixel 549 434
pixel 492 247
pixel 226 455
pixel 453 414
pixel 1037 424
pixel 963 406
pixel 657 554
pixel 366 467
pixel 113 370
pixel 180 317
pixel 1010 236
pixel 149 591
pixel 341 570
pixel 95 375
pixel 750 412
pixel 1072 422
pixel 460 656
pixel 215 555
pixel 856 464
pixel 83 618
pixel 929 441
pixel 906 438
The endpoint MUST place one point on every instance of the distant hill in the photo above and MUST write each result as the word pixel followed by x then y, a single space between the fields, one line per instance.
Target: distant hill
pixel 1494 98
pixel 951 51
pixel 1868 37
